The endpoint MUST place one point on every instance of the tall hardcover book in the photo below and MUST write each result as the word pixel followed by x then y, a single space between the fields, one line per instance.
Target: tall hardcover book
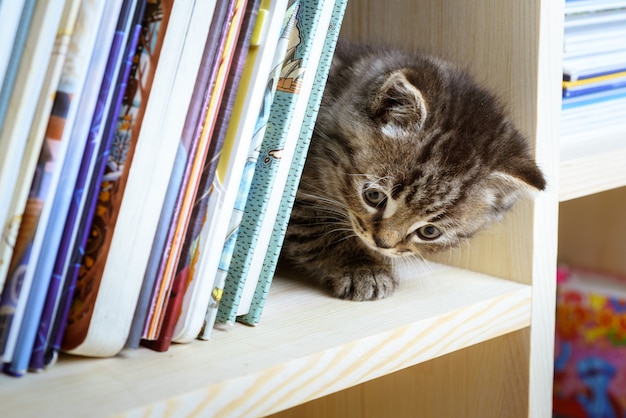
pixel 15 57
pixel 216 198
pixel 28 104
pixel 97 224
pixel 60 200
pixel 286 116
pixel 89 172
pixel 197 132
pixel 248 170
pixel 45 183
pixel 187 147
pixel 147 181
pixel 270 261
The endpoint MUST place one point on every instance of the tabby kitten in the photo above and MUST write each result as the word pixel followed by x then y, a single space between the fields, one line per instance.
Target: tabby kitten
pixel 409 157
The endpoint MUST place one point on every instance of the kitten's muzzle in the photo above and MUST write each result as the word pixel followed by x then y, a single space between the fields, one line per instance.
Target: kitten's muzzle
pixel 381 243
pixel 387 238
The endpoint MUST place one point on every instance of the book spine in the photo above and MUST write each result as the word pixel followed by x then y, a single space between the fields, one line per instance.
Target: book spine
pixel 293 73
pixel 88 265
pixel 248 171
pixel 594 88
pixel 10 12
pixel 55 147
pixel 184 325
pixel 193 132
pixel 280 227
pixel 12 68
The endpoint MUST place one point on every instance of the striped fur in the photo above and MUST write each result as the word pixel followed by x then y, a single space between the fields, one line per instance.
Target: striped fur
pixel 409 157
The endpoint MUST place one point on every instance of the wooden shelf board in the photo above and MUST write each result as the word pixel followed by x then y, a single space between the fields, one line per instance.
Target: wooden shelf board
pixel 307 345
pixel 593 166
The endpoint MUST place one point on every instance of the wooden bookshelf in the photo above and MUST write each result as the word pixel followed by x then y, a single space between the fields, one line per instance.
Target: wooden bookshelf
pixel 307 345
pixel 473 340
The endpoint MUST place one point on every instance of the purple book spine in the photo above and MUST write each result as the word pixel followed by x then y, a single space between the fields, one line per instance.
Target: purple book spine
pixel 37 360
pixel 54 342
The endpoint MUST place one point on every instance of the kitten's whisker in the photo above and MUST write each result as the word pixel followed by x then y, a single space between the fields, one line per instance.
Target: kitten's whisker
pixel 345 237
pixel 338 230
pixel 316 224
pixel 317 199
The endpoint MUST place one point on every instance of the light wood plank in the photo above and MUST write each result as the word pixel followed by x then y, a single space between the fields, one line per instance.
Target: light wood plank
pixel 308 345
pixel 593 166
pixel 445 387
pixel 592 231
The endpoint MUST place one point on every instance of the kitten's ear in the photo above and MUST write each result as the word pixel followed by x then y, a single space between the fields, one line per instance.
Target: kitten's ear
pixel 518 178
pixel 398 104
pixel 525 171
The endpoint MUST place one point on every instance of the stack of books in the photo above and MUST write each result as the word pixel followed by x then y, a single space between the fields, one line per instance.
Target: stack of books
pixel 150 152
pixel 594 69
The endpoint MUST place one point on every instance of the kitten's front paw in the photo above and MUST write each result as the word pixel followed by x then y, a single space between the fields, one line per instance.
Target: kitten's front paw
pixel 363 283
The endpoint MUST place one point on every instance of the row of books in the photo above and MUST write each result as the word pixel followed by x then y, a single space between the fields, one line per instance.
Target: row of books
pixel 594 69
pixel 149 158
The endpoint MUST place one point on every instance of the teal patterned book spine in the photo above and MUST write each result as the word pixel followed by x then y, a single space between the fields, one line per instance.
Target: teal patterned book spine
pixel 295 171
pixel 288 23
pixel 288 93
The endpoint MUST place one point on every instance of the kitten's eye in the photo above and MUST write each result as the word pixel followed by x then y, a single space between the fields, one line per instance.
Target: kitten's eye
pixel 374 197
pixel 428 232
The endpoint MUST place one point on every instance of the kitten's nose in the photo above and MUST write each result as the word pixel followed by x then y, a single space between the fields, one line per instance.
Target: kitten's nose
pixel 380 243
pixel 387 238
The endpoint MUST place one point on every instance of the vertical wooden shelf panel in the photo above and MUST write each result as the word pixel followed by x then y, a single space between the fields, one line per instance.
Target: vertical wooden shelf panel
pixel 592 231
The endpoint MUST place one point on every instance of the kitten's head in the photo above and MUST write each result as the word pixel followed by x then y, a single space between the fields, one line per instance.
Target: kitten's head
pixel 426 157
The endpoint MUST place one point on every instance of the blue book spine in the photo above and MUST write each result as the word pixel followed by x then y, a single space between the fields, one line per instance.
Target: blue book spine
pixel 603 96
pixel 283 106
pixel 16 56
pixel 93 190
pixel 116 68
pixel 79 146
pixel 295 171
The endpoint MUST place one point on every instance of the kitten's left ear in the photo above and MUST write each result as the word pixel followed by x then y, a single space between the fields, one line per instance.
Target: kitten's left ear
pixel 398 104
pixel 504 187
pixel 525 170
pixel 520 177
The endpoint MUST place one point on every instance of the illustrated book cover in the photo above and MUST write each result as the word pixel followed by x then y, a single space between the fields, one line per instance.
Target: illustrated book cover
pixel 278 146
pixel 270 261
